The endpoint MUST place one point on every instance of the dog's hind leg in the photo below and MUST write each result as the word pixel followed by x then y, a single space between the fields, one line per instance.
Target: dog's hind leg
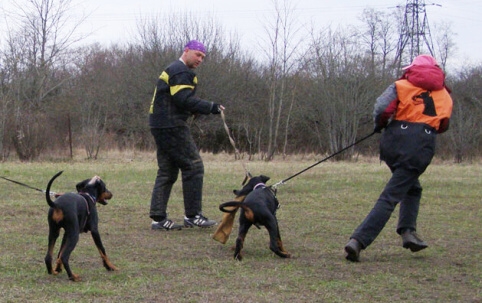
pixel 53 235
pixel 244 226
pixel 275 243
pixel 58 262
pixel 98 242
pixel 69 242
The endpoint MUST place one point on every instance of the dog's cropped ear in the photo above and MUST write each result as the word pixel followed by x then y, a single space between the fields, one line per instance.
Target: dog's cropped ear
pixel 264 178
pixel 81 185
pixel 95 180
pixel 247 178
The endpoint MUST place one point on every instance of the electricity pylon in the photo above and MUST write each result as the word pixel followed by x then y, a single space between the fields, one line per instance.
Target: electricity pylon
pixel 415 37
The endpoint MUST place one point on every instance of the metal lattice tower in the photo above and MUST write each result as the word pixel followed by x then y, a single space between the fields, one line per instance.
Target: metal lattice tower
pixel 415 37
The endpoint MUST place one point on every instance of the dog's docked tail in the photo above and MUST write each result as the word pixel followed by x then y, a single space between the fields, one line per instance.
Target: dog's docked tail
pixel 233 206
pixel 47 192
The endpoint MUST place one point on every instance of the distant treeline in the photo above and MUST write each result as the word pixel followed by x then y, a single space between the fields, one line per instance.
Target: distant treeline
pixel 298 91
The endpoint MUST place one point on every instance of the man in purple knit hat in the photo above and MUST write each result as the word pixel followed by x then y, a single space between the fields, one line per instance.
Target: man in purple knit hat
pixel 174 101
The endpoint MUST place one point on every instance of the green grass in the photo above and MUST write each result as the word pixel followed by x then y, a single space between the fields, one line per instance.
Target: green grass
pixel 319 211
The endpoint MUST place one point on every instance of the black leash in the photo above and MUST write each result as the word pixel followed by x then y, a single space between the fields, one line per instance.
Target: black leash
pixel 28 186
pixel 323 160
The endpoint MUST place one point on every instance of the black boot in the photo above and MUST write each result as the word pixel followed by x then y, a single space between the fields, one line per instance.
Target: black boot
pixel 412 241
pixel 353 248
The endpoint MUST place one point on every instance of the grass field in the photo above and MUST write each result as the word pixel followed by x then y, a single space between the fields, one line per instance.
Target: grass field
pixel 319 210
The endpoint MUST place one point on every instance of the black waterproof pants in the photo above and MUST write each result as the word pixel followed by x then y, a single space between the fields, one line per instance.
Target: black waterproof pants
pixel 176 151
pixel 407 149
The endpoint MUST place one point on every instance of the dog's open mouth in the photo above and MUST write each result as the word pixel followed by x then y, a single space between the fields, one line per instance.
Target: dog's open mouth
pixel 104 197
pixel 103 202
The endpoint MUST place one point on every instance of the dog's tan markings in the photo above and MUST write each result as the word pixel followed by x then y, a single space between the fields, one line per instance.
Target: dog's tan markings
pixel 58 263
pixel 75 278
pixel 107 262
pixel 248 213
pixel 58 266
pixel 240 198
pixel 280 245
pixel 105 196
pixel 57 215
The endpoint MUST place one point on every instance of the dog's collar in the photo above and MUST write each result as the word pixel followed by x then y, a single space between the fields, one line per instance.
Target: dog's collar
pixel 259 185
pixel 271 190
pixel 87 195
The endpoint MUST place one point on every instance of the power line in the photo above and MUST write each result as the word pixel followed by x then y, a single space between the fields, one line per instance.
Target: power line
pixel 415 37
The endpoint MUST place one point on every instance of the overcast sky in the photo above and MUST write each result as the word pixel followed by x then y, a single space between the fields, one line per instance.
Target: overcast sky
pixel 114 21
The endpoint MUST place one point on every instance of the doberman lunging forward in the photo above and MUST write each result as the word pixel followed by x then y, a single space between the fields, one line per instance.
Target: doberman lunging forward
pixel 257 208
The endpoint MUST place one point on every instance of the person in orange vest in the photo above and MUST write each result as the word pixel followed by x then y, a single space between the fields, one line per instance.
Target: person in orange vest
pixel 413 110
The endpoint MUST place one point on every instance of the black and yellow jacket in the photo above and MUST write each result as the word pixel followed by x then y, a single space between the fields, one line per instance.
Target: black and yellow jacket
pixel 174 98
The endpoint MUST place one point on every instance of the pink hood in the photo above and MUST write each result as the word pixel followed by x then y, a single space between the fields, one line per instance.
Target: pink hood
pixel 425 76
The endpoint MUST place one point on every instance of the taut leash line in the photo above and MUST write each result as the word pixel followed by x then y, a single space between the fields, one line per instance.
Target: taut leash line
pixel 28 186
pixel 323 160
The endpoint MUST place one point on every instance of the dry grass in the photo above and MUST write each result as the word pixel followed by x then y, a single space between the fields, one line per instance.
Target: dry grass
pixel 320 209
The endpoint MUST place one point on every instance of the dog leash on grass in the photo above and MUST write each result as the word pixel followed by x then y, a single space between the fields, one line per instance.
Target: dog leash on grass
pixel 231 140
pixel 322 160
pixel 28 186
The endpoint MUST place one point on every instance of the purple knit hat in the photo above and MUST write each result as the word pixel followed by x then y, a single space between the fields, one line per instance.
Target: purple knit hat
pixel 195 45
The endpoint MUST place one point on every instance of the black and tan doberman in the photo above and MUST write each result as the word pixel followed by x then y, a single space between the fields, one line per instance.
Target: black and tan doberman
pixel 75 213
pixel 258 208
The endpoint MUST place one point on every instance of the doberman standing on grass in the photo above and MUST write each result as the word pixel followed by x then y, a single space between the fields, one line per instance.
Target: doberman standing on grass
pixel 75 213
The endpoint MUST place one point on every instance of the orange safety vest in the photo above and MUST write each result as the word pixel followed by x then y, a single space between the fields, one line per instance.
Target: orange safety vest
pixel 419 105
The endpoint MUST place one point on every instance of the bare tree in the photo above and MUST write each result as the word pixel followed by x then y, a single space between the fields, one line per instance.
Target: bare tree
pixel 372 20
pixel 445 45
pixel 465 134
pixel 39 37
pixel 47 38
pixel 380 37
pixel 5 110
pixel 282 51
pixel 94 96
pixel 343 88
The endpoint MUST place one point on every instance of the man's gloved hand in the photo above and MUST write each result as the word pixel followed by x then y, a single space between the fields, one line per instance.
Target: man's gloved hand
pixel 216 109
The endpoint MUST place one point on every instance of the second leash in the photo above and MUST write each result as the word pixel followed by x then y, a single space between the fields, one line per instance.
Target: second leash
pixel 231 140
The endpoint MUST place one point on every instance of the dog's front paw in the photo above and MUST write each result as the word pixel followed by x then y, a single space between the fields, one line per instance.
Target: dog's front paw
pixel 281 253
pixel 108 265
pixel 75 278
pixel 238 257
pixel 58 266
pixel 112 268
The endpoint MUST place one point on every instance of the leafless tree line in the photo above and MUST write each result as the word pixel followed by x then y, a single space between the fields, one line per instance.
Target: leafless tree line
pixel 301 90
